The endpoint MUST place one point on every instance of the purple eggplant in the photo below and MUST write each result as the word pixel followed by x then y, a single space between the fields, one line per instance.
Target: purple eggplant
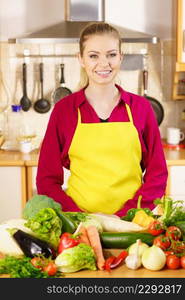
pixel 32 246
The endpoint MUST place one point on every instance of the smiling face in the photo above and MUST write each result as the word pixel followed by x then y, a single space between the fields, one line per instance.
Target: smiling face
pixel 101 58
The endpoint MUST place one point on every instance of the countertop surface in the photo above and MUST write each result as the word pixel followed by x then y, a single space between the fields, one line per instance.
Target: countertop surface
pixel 124 272
pixel 16 158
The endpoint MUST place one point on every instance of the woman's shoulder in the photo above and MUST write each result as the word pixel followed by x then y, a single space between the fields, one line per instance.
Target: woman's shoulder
pixel 133 99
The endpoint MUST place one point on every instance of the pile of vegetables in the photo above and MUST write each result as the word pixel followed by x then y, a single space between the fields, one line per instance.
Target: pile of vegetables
pixel 48 242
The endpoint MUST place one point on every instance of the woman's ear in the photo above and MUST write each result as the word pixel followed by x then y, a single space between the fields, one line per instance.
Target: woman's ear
pixel 80 60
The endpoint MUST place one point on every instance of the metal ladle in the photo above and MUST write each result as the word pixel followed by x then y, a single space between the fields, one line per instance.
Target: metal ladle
pixel 42 105
pixel 25 101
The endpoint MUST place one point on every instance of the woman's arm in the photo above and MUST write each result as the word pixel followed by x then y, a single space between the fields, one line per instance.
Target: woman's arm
pixel 154 164
pixel 50 175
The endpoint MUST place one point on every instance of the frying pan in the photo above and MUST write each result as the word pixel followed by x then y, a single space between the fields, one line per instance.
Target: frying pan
pixel 156 105
pixel 42 105
pixel 62 90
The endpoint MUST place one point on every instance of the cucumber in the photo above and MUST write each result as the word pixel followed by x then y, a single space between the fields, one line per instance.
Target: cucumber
pixel 122 240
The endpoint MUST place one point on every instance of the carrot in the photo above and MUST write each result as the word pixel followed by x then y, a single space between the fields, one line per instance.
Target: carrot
pixel 95 243
pixel 83 237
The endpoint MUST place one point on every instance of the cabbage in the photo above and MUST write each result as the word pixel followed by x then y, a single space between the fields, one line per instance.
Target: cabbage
pixel 76 258
pixel 38 202
pixel 7 243
pixel 93 221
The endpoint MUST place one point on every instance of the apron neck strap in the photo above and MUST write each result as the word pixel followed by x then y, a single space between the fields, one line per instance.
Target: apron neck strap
pixel 129 113
pixel 127 108
pixel 79 116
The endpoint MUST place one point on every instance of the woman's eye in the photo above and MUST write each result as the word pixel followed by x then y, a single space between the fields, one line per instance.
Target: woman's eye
pixel 112 54
pixel 93 56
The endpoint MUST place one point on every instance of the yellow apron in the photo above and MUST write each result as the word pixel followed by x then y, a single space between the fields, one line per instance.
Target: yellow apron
pixel 104 164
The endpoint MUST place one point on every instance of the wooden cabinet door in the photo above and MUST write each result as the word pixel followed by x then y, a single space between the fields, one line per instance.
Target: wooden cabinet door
pixel 177 182
pixel 12 191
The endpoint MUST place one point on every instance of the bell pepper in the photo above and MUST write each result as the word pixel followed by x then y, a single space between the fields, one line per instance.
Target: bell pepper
pixel 67 240
pixel 113 262
pixel 141 218
pixel 131 212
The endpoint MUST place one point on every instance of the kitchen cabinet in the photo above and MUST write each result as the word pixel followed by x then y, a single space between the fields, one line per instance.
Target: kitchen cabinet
pixel 176 182
pixel 12 186
pixel 179 74
pixel 176 173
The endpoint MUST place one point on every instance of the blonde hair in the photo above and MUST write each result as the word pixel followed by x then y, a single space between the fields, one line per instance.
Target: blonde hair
pixel 95 28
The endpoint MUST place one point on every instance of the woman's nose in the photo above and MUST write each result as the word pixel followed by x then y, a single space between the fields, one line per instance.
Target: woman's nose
pixel 104 61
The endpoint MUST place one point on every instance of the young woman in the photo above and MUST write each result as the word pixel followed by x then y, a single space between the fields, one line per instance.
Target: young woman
pixel 107 137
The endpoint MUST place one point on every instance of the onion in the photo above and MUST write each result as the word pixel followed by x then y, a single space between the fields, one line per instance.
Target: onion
pixel 141 248
pixel 153 258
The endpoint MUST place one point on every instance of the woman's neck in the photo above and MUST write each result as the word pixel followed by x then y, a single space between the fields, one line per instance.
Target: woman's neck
pixel 102 99
pixel 102 94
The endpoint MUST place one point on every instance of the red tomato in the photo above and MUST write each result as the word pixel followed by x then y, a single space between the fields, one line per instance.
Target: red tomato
pixel 182 262
pixel 173 232
pixel 178 246
pixel 162 242
pixel 37 262
pixel 168 253
pixel 173 262
pixel 155 228
pixel 50 268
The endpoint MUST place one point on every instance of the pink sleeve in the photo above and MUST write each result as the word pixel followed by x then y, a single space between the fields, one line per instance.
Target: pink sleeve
pixel 50 171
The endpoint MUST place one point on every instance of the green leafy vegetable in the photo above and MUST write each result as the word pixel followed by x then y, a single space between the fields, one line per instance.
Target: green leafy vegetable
pixel 47 226
pixel 174 210
pixel 93 220
pixel 76 258
pixel 37 202
pixel 20 268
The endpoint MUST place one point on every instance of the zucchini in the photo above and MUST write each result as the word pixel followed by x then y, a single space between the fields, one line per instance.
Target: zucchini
pixel 67 224
pixel 122 240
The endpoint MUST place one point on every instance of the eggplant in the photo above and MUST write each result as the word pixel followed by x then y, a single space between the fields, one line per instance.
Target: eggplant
pixel 32 246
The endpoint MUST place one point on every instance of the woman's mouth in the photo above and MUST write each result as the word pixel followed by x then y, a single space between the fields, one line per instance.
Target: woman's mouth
pixel 103 74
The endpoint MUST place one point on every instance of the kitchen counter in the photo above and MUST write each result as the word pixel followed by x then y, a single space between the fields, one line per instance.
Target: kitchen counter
pixel 16 158
pixel 124 272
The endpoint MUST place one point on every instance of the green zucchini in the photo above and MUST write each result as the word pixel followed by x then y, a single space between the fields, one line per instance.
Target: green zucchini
pixel 122 240
pixel 67 224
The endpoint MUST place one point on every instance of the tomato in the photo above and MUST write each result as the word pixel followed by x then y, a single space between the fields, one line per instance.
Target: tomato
pixel 155 228
pixel 173 262
pixel 168 253
pixel 37 262
pixel 182 262
pixel 162 242
pixel 173 232
pixel 178 246
pixel 50 268
pixel 67 240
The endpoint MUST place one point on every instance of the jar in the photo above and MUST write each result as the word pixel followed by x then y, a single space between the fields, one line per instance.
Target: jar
pixel 15 119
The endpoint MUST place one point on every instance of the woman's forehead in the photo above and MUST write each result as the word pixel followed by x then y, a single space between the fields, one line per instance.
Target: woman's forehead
pixel 105 42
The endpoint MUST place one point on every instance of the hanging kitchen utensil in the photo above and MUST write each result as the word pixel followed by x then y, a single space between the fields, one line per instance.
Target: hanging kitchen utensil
pixel 42 105
pixel 25 102
pixel 61 91
pixel 156 105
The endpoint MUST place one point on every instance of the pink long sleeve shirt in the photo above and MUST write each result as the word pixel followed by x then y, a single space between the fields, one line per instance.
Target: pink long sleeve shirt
pixel 60 130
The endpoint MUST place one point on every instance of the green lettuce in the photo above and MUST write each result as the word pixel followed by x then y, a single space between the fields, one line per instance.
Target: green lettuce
pixel 47 226
pixel 76 258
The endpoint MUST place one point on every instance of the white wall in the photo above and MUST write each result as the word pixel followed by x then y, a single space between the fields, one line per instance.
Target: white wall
pixel 153 17
pixel 22 16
